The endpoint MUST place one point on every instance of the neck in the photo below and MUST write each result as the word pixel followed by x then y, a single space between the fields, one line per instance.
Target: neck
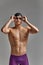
pixel 18 26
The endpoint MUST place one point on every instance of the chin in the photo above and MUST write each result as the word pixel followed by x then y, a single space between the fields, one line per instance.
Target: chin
pixel 17 24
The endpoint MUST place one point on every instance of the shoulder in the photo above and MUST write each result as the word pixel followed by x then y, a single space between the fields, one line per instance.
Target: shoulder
pixel 12 28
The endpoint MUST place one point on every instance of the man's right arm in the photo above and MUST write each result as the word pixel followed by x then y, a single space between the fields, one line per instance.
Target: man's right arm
pixel 6 29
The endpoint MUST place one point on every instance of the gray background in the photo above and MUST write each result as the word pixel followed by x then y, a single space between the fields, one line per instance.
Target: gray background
pixel 33 9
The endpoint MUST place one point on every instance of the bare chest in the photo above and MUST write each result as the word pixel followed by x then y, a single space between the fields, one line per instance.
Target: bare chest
pixel 20 35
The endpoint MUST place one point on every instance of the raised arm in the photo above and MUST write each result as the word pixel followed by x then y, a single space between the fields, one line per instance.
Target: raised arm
pixel 6 28
pixel 31 28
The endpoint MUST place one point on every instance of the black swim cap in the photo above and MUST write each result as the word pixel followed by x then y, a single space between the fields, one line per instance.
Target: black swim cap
pixel 18 14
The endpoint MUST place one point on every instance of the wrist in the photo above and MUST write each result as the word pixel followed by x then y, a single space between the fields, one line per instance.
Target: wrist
pixel 10 20
pixel 26 21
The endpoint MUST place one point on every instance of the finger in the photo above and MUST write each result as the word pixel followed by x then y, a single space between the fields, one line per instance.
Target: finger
pixel 10 17
pixel 13 17
pixel 25 16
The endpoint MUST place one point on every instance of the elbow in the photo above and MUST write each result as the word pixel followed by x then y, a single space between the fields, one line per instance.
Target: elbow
pixel 1 29
pixel 37 31
pixel 34 31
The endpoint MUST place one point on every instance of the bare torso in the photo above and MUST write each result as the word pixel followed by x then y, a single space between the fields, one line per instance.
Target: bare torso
pixel 18 41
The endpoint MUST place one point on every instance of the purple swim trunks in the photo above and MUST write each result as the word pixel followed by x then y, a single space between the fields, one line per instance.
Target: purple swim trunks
pixel 21 60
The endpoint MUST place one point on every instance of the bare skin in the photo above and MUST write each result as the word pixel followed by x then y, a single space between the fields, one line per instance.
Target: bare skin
pixel 18 35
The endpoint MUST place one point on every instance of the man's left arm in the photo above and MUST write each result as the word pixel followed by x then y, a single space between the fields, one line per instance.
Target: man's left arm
pixel 31 28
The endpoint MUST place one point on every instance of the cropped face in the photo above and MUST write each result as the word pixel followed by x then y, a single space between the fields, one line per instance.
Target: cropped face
pixel 18 20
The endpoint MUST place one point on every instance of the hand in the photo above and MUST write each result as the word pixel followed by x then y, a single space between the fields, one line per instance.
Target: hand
pixel 12 18
pixel 24 18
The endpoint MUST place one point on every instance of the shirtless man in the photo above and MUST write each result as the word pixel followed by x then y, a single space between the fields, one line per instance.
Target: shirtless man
pixel 18 36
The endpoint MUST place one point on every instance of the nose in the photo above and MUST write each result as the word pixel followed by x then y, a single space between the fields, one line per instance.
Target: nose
pixel 17 19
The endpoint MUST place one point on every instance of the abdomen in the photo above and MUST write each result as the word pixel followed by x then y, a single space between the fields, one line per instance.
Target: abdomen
pixel 21 49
